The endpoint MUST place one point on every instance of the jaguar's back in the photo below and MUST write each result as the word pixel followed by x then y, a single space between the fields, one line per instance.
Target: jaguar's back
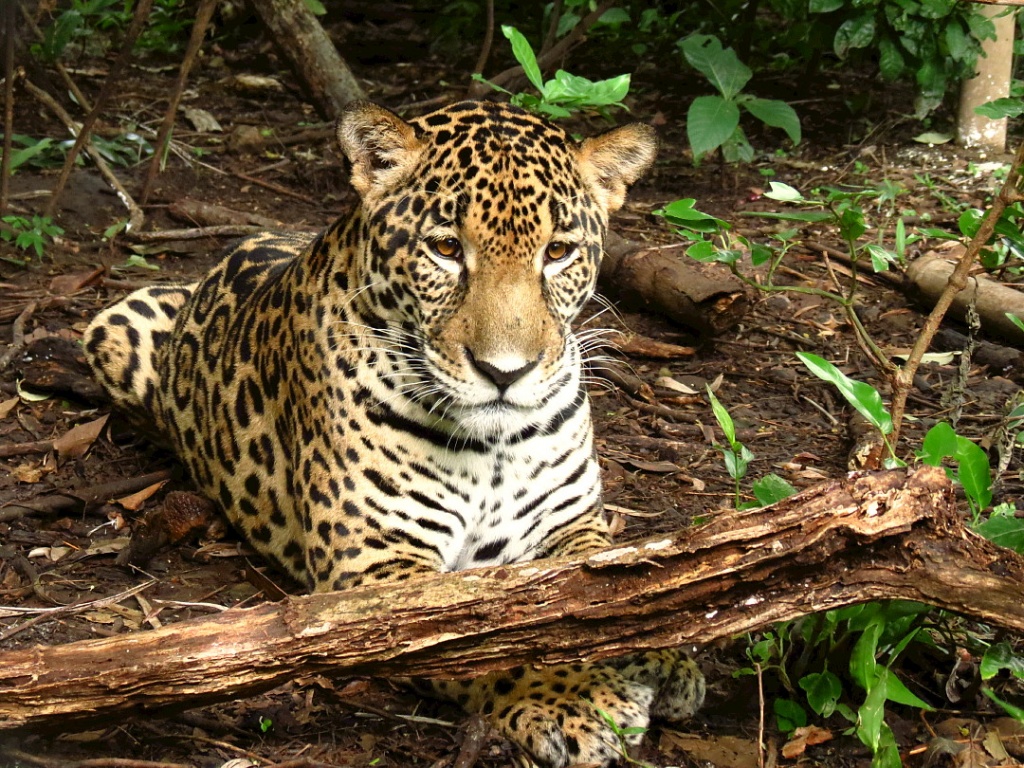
pixel 403 393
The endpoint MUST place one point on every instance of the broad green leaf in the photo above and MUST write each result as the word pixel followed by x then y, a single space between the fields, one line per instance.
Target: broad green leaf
pixel 901 239
pixel 881 257
pixel 760 253
pixel 863 666
pixel 1000 108
pixel 933 137
pixel 999 657
pixel 887 754
pixel 315 7
pixel 973 472
pixel 1004 530
pixel 939 443
pixel 854 33
pixel 1013 711
pixel 772 488
pixel 703 250
pixel 824 6
pixel 682 212
pixel 958 42
pixel 777 114
pixel 890 61
pixel 789 715
pixel 710 122
pixel 737 149
pixel 823 690
pixel 781 191
pixel 721 66
pixel 969 221
pixel 572 90
pixel 723 418
pixel 809 217
pixel 896 691
pixel 859 394
pixel 524 55
pixel 871 715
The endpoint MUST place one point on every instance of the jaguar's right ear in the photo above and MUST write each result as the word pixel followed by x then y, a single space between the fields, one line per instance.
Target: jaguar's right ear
pixel 381 146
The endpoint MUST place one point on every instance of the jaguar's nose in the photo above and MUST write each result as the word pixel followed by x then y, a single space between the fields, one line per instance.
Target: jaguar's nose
pixel 505 373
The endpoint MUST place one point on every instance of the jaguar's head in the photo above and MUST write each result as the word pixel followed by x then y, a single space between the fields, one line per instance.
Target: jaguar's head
pixel 481 237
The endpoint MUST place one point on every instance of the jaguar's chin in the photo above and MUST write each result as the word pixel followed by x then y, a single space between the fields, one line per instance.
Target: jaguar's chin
pixel 494 419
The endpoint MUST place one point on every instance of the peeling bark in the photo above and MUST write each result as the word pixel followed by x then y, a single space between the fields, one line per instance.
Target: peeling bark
pixel 876 536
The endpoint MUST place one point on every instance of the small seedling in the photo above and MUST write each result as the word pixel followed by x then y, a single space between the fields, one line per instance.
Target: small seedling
pixel 28 234
pixel 565 93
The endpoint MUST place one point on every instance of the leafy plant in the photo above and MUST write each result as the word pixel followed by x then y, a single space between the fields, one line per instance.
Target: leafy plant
pixel 768 489
pixel 936 42
pixel 714 121
pixel 565 93
pixel 28 233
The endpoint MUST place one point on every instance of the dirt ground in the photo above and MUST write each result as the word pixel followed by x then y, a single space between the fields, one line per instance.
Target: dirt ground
pixel 273 156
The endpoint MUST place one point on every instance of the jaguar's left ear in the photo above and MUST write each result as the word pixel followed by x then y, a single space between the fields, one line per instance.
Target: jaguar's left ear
pixel 613 160
pixel 382 147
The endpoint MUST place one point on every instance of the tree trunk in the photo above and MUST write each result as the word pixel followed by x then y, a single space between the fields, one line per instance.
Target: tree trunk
pixel 706 298
pixel 299 36
pixel 879 536
pixel 992 81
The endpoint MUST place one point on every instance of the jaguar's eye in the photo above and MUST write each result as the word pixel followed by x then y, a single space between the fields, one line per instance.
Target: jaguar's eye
pixel 447 248
pixel 558 251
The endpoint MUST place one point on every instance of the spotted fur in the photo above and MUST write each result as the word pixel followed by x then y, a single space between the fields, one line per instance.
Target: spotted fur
pixel 402 394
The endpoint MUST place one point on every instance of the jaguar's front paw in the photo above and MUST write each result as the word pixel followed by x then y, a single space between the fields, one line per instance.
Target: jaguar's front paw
pixel 567 715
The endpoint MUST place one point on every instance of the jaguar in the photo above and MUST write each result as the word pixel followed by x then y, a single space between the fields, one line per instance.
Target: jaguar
pixel 403 393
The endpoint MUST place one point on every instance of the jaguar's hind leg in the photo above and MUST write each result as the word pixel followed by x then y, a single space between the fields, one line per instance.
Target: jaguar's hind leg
pixel 121 344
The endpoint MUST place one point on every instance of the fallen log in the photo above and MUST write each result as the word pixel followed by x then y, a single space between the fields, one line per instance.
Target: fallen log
pixel 930 273
pixel 706 298
pixel 298 35
pixel 887 535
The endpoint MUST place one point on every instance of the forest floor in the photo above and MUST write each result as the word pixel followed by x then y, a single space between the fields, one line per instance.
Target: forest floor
pixel 274 157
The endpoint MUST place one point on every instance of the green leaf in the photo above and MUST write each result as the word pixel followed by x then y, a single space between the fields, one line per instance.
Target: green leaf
pixel 854 33
pixel 710 121
pixel 723 418
pixel 823 690
pixel 1013 711
pixel 958 42
pixel 772 488
pixel 881 257
pixel 1004 530
pixel 579 92
pixel 703 251
pixel 809 217
pixel 1015 320
pixel 973 472
pixel 933 138
pixel 871 715
pixel 736 148
pixel 824 6
pixel 524 55
pixel 896 691
pixel 999 657
pixel 939 443
pixel 1000 108
pixel 859 394
pixel 760 253
pixel 863 666
pixel 789 715
pixel 887 754
pixel 777 114
pixel 683 213
pixel 890 61
pixel 721 66
pixel 315 7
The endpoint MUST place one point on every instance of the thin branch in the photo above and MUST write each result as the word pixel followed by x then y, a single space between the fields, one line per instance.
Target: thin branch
pixel 485 49
pixel 112 83
pixel 203 16
pixel 80 97
pixel 18 339
pixel 903 380
pixel 552 34
pixel 5 162
pixel 135 214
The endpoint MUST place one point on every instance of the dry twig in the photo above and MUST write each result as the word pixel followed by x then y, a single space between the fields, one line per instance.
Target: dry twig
pixel 203 16
pixel 112 82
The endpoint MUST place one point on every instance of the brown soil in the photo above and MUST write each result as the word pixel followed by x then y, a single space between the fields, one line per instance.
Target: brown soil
pixel 658 456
